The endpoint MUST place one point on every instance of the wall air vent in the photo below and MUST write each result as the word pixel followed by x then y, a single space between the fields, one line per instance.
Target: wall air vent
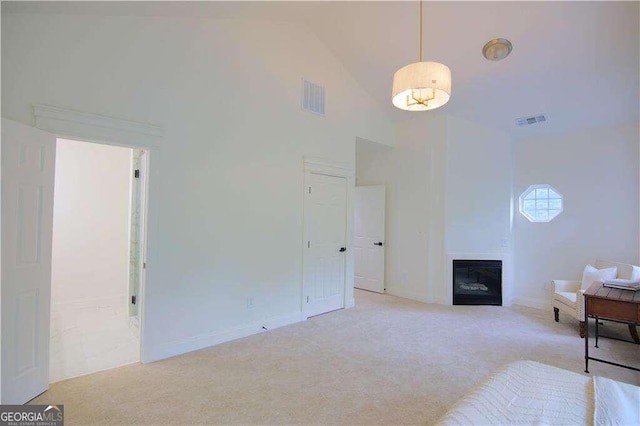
pixel 525 121
pixel 312 97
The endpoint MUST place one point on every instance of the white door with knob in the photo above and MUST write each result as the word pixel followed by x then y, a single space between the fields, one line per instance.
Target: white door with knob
pixel 325 221
pixel 369 238
pixel 28 161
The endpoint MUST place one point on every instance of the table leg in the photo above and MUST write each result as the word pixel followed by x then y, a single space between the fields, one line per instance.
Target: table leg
pixel 634 334
pixel 596 332
pixel 586 338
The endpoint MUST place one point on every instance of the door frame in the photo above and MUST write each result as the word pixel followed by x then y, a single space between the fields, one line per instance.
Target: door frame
pixel 315 165
pixel 142 235
pixel 95 128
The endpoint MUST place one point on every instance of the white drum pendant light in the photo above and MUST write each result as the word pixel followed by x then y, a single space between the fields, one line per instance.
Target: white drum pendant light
pixel 421 86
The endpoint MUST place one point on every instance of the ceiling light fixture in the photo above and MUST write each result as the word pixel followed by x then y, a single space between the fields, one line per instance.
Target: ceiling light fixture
pixel 497 49
pixel 421 86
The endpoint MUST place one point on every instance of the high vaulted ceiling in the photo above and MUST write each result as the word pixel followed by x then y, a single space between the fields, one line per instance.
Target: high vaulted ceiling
pixel 577 62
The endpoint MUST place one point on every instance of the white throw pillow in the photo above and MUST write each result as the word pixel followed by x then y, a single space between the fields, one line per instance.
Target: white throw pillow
pixel 592 274
pixel 635 273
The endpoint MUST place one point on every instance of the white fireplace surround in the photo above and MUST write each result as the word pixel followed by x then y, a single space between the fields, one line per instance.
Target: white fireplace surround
pixel 507 272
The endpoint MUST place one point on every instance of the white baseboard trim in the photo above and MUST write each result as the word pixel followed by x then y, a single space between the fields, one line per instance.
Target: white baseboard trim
pixel 93 372
pixel 194 343
pixel 532 303
pixel 406 294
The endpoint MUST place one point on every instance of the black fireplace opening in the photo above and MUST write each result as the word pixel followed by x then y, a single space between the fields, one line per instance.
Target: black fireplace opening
pixel 477 282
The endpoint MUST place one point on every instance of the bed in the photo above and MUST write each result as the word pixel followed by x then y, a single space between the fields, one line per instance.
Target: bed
pixel 527 392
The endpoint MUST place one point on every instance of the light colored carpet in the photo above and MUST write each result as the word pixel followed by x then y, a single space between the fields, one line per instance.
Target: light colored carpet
pixel 386 361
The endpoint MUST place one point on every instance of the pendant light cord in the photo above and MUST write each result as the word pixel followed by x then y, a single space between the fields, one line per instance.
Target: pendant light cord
pixel 420 31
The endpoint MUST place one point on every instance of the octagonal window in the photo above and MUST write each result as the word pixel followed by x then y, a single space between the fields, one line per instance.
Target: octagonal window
pixel 540 203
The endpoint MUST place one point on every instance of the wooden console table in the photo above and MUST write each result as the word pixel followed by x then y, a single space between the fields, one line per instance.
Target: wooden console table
pixel 610 304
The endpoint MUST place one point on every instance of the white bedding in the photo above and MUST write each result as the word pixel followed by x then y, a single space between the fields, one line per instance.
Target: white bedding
pixel 616 403
pixel 528 392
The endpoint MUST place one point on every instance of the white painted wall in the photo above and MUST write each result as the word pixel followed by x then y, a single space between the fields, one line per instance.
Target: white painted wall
pixel 478 194
pixel 597 173
pixel 478 199
pixel 448 196
pixel 90 260
pixel 226 209
pixel 413 172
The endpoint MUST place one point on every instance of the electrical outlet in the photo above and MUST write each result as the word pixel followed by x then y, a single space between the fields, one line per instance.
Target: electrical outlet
pixel 249 302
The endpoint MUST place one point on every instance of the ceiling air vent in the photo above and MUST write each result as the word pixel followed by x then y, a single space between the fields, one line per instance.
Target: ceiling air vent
pixel 525 121
pixel 312 97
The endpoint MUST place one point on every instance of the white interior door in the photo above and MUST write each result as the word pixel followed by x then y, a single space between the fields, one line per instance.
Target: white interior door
pixel 369 238
pixel 325 230
pixel 28 160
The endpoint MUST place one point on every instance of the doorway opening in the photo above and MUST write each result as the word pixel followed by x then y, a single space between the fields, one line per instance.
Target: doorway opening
pixel 98 252
pixel 372 178
pixel 369 238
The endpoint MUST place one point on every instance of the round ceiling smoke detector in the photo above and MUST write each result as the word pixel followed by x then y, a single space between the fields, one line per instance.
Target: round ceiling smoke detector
pixel 497 49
